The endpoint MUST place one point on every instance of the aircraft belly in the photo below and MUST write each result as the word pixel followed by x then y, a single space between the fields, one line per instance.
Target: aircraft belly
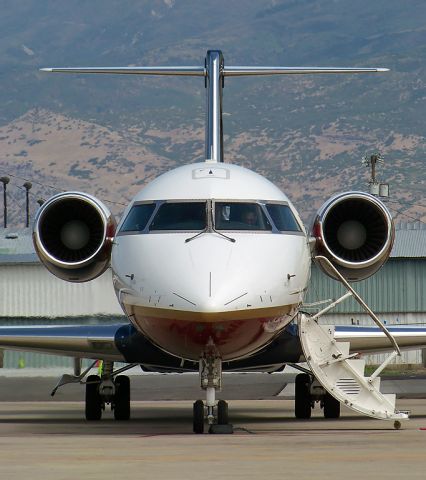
pixel 236 334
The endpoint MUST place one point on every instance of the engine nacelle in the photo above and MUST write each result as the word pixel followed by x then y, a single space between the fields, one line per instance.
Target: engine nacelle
pixel 355 231
pixel 73 234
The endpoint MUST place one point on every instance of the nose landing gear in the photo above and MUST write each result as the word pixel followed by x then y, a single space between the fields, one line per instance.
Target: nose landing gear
pixel 215 412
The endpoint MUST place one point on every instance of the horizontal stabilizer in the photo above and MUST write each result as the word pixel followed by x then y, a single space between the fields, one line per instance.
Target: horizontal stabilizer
pixel 188 71
pixel 202 72
pixel 239 71
pixel 213 72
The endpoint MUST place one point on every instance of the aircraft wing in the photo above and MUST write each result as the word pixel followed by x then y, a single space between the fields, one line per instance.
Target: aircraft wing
pixel 122 343
pixel 83 341
pixel 373 340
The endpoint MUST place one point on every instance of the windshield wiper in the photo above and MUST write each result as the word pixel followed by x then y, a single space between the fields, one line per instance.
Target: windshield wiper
pixel 205 230
pixel 210 227
pixel 223 235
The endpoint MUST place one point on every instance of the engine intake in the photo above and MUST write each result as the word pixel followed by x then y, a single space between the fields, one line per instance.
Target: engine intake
pixel 73 235
pixel 355 231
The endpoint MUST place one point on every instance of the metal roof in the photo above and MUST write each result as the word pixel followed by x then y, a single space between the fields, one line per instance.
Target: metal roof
pixel 16 246
pixel 410 241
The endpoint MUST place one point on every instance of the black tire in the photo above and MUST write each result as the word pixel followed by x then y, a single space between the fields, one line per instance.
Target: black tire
pixel 222 413
pixel 198 417
pixel 122 398
pixel 302 397
pixel 93 408
pixel 331 406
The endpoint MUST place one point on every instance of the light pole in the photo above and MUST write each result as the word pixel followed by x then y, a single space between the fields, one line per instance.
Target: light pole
pixel 5 181
pixel 27 186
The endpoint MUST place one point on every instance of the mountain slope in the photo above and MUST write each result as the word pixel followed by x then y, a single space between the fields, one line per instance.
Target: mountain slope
pixel 110 135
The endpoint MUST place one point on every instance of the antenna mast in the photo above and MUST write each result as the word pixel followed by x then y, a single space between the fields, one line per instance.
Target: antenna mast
pixel 376 188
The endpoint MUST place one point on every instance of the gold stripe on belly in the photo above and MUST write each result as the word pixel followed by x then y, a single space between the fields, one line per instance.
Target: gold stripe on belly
pixel 245 314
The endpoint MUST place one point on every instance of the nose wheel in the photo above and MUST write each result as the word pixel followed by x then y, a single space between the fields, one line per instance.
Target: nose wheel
pixel 220 417
pixel 222 413
pixel 198 416
pixel 215 413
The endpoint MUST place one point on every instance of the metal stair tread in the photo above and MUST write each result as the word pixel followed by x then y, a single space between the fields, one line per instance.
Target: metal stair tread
pixel 344 379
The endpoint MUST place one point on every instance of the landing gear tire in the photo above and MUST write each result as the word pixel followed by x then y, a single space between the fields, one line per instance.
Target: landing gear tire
pixel 222 413
pixel 93 398
pixel 331 406
pixel 122 398
pixel 198 417
pixel 302 398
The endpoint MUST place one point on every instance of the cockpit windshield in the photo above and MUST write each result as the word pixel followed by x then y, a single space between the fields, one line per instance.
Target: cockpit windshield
pixel 182 216
pixel 240 216
pixel 208 216
pixel 138 217
pixel 283 217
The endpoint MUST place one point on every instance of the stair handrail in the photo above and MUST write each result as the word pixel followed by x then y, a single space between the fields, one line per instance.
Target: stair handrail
pixel 361 302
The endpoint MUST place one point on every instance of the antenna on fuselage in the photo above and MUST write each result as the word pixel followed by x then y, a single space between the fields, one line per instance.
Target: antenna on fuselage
pixel 214 73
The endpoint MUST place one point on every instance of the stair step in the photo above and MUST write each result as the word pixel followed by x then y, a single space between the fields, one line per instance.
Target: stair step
pixel 342 375
pixel 358 365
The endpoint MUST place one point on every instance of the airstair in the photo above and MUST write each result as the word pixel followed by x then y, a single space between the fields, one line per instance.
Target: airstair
pixel 340 372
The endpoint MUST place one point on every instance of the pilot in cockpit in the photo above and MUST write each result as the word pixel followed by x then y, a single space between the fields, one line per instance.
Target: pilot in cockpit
pixel 249 217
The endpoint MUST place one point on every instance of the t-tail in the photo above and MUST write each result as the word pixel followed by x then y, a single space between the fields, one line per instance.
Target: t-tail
pixel 214 72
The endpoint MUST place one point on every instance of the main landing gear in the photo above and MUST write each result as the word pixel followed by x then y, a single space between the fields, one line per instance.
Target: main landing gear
pixel 215 412
pixel 307 392
pixel 108 389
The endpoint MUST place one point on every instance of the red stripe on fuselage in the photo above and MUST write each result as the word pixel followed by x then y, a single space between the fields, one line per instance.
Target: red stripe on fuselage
pixel 184 335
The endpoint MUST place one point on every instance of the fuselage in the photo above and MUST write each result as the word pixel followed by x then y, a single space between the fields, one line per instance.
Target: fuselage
pixel 210 253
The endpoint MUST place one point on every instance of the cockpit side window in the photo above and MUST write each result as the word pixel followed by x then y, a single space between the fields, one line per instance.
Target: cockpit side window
pixel 180 216
pixel 283 217
pixel 240 216
pixel 138 217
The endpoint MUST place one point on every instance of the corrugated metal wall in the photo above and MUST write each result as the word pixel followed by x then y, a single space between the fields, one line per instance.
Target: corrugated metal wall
pixel 30 294
pixel 29 290
pixel 396 293
pixel 399 286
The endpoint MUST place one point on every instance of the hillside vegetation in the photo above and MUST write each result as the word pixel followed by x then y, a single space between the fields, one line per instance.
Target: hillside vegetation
pixel 110 135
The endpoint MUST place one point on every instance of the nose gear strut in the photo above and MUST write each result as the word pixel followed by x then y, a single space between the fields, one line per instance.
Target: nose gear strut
pixel 215 412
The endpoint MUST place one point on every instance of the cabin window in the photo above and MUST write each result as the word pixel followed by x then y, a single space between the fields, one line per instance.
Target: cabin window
pixel 283 217
pixel 138 217
pixel 182 216
pixel 240 216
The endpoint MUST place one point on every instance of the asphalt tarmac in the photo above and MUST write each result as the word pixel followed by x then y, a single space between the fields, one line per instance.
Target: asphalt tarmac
pixel 39 385
pixel 50 439
pixel 36 386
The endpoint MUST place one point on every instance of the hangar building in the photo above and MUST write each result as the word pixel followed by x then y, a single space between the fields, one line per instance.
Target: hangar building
pixel 31 295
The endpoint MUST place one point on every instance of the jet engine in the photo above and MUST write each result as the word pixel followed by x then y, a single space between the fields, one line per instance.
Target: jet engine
pixel 355 231
pixel 73 234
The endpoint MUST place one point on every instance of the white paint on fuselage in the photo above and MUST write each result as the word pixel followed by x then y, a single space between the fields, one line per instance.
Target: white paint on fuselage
pixel 193 182
pixel 210 273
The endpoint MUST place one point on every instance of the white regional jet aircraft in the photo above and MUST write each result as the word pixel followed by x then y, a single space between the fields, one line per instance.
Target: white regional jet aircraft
pixel 210 263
